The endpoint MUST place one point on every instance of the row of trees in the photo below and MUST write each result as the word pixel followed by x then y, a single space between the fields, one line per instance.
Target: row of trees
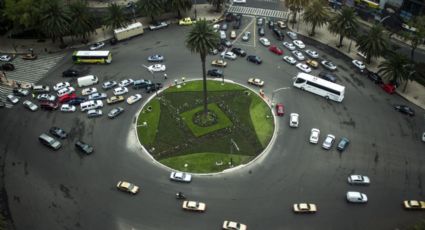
pixel 373 44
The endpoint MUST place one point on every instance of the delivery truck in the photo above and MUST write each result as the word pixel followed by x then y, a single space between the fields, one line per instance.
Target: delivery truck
pixel 87 80
pixel 128 31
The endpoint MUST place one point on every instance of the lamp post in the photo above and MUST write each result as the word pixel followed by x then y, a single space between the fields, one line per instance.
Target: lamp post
pixel 195 11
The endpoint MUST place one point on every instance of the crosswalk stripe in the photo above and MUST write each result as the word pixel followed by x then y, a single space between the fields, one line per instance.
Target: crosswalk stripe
pixel 258 11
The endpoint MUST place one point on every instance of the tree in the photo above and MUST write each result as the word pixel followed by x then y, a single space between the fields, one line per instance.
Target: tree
pixel 150 8
pixel 417 37
pixel 397 69
pixel 116 17
pixel 23 13
pixel 344 23
pixel 316 14
pixel 201 39
pixel 54 20
pixel 180 5
pixel 83 23
pixel 295 6
pixel 217 4
pixel 374 43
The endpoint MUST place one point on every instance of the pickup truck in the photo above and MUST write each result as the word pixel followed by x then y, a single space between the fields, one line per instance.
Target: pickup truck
pixel 186 21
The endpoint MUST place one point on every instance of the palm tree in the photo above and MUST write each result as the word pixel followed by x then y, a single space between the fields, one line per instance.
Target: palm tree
pixel 418 36
pixel 216 3
pixel 201 39
pixel 344 23
pixel 55 20
pixel 316 14
pixel 83 23
pixel 180 5
pixel 295 6
pixel 22 13
pixel 116 17
pixel 374 43
pixel 396 69
pixel 150 8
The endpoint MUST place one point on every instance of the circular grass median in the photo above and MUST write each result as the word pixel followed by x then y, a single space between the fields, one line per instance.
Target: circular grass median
pixel 238 127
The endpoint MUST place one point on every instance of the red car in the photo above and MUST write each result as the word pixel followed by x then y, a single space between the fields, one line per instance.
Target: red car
pixel 389 88
pixel 67 97
pixel 47 105
pixel 280 109
pixel 276 50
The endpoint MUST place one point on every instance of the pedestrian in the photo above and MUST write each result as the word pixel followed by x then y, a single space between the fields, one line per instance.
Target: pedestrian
pixel 165 76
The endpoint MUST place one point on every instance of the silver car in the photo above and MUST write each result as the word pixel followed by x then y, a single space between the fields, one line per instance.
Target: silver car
pixel 329 141
pixel 246 36
pixel 94 113
pixel 181 177
pixel 289 45
pixel 292 35
pixel 298 55
pixel 358 179
pixel 356 197
pixel 29 105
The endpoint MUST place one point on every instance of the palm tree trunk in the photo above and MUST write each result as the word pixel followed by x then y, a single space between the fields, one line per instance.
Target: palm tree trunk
pixel 294 16
pixel 340 40
pixel 204 83
pixel 405 86
pixel 412 53
pixel 313 29
pixel 179 14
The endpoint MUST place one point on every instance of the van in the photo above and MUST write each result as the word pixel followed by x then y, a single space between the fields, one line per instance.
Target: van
pixel 87 80
pixel 222 34
pixel 40 89
pixel 87 105
pixel 49 141
pixel 141 84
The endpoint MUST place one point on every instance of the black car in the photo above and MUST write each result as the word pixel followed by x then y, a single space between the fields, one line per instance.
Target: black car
pixel 405 110
pixel 153 87
pixel 226 43
pixel 70 73
pixel 215 73
pixel 58 132
pixel 278 34
pixel 343 144
pixel 20 92
pixel 220 48
pixel 2 104
pixel 271 24
pixel 83 147
pixel 261 31
pixel 254 59
pixel 76 101
pixel 229 17
pixel 239 52
pixel 7 67
pixel 327 76
pixel 223 26
pixel 375 77
pixel 141 84
pixel 237 24
pixel 238 17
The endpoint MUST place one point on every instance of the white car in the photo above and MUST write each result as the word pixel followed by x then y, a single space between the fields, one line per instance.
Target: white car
pixel 229 55
pixel 65 91
pixel 109 84
pixel 246 36
pixel 314 135
pixel 61 85
pixel 94 113
pixel 97 45
pixel 289 45
pixel 358 179
pixel 299 44
pixel 298 55
pixel 294 120
pixel 328 142
pixel 328 65
pixel 181 177
pixel 5 58
pixel 264 41
pixel 312 53
pixel 290 60
pixel 194 206
pixel 232 225
pixel 304 67
pixel 46 97
pixel 239 1
pixel 134 98
pixel 157 68
pixel 359 64
pixel 29 105
pixel 88 91
pixel 356 197
pixel 292 35
pixel 120 91
pixel 97 96
pixel 68 108
pixel 12 99
pixel 125 82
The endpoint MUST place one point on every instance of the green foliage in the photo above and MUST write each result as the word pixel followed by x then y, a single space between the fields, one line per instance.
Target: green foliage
pixel 83 23
pixel 23 13
pixel 217 4
pixel 394 68
pixel 262 119
pixel 116 17
pixel 418 36
pixel 54 19
pixel 147 133
pixel 151 8
pixel 344 23
pixel 222 120
pixel 316 14
pixel 193 86
pixel 202 38
pixel 295 6
pixel 180 5
pixel 205 162
pixel 374 43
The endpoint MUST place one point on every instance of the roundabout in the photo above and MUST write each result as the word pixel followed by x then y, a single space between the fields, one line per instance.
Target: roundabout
pixel 66 190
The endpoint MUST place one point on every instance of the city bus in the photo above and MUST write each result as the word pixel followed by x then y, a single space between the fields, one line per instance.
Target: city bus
pixel 92 57
pixel 319 86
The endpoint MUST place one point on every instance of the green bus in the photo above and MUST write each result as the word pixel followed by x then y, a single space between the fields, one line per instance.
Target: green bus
pixel 92 57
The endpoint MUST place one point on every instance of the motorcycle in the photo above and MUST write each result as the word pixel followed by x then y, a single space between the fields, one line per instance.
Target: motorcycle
pixel 180 195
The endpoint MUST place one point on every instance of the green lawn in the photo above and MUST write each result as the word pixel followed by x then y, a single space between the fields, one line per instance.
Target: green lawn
pixel 147 133
pixel 262 119
pixel 211 86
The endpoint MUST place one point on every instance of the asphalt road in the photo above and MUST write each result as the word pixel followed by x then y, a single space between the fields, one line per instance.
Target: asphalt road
pixel 65 190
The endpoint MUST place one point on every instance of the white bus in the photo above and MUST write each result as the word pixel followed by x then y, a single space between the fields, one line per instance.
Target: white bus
pixel 86 56
pixel 320 87
pixel 128 31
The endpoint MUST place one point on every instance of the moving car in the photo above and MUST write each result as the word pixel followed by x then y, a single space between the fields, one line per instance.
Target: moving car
pixel 291 60
pixel 58 132
pixel 260 21
pixel 289 45
pixel 115 112
pixel 67 97
pixel 153 87
pixel 281 24
pixel 405 110
pixel 68 108
pixel 114 99
pixel 46 97
pixel 157 68
pixel 224 26
pixel 299 44
pixel 215 73
pixel 312 53
pixel 358 179
pixel 5 58
pixel 304 208
pixel 226 43
pixel 374 77
pixel 232 34
pixel 312 63
pixel 109 84
pixel 219 63
pixel 328 65
pixel 423 136
pixel 303 67
pixel 239 51
pixel 133 99
pixel 126 82
pixel 156 58
pixel 97 96
pixel 157 25
pixel 12 99
pixel 239 1
pixel 20 92
pixel 40 89
pixel 180 177
pixel 120 91
pixel 275 50
pixel 256 81
pixel 314 135
pixel 343 143
pixel 246 36
pixel 97 45
pixel 280 109
pixel 49 141
pixel 292 35
pixel 414 205
pixel 49 105
pixel 255 59
pixel 264 41
pixel 359 64
pixel 77 101
pixel 232 225
pixel 64 91
pixel 328 76
pixel 61 85
pixel 70 73
pixel 328 142
pixel 83 147
pixel 278 34
pixel 298 55
pixel 229 55
pixel 294 120
pixel 261 31
pixel 194 206
pixel 127 187
pixel 389 88
pixel 356 197
pixel 94 113
pixel 29 105
pixel 186 21
pixel 88 91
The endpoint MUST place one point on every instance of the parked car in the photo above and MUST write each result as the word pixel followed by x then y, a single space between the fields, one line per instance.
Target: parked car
pixel 229 55
pixel 84 147
pixel 271 24
pixel 289 45
pixel 194 206
pixel 292 35
pixel 88 91
pixel 414 205
pixel 281 24
pixel 67 97
pixel 298 55
pixel 20 92
pixel 405 110
pixel 36 89
pixel 343 144
pixel 155 25
pixel 114 99
pixel 29 105
pixel 49 141
pixel 120 91
pixel 97 45
pixel 261 31
pixel 374 77
pixel 134 98
pixel 64 91
pixel 76 101
pixel 46 97
pixel 328 142
pixel 239 52
pixel 290 60
pixel 156 58
pixel 303 67
pixel 70 73
pixel 226 43
pixel 299 44
pixel 49 105
pixel 58 132
pixel 304 208
pixel 359 64
pixel 233 34
pixel 278 34
pixel 126 82
pixel 328 65
pixel 256 82
pixel 280 109
pixel 312 53
pixel 215 73
pixel 328 76
pixel 153 87
pixel 246 36
pixel 5 58
pixel 314 135
pixel 7 67
pixel 115 112
pixel 312 63
pixel 12 99
pixel 94 113
pixel 260 21
pixel 68 108
pixel 254 59
pixel 389 88
pixel 264 41
pixel 276 50
pixel 356 197
pixel 186 21
pixel 127 187
pixel 61 85
pixel 180 177
pixel 109 84
pixel 358 179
